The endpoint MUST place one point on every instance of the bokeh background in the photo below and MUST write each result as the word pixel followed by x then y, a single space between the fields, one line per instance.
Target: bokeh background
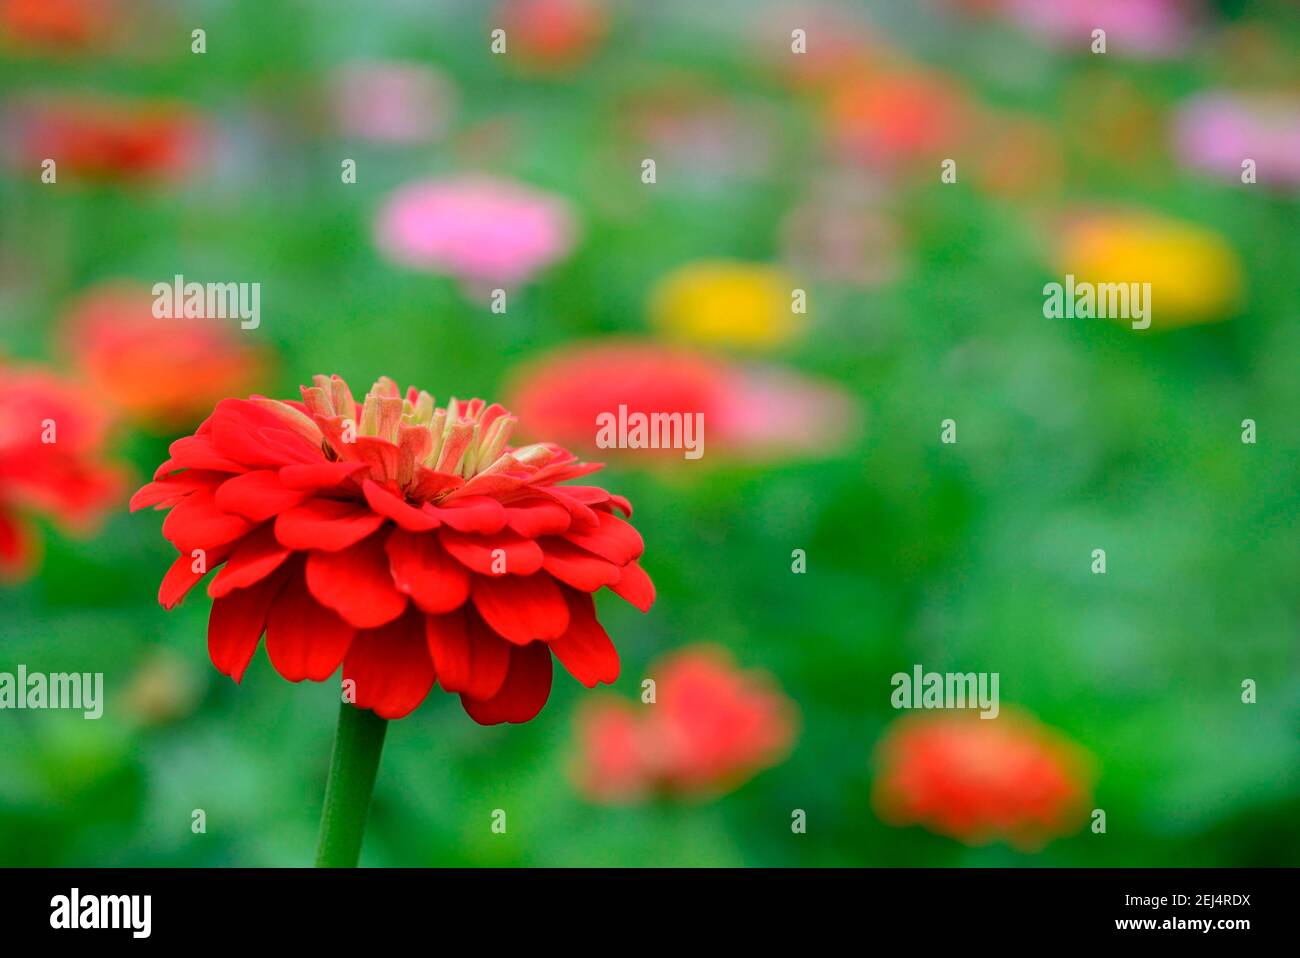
pixel 818 171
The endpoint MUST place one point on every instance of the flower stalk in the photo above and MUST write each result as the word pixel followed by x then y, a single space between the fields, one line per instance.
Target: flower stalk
pixel 358 743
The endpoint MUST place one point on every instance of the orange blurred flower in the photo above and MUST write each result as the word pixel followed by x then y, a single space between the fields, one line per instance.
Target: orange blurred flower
pixel 165 373
pixel 711 728
pixel 982 780
pixel 52 434
pixel 898 116
pixel 57 25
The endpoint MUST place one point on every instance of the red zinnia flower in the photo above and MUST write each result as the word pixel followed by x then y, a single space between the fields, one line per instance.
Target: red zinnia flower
pixel 106 139
pixel 164 372
pixel 752 412
pixel 51 447
pixel 407 542
pixel 982 780
pixel 711 728
pixel 553 35
pixel 57 25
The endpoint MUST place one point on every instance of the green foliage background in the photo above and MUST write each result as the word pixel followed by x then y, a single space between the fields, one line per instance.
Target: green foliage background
pixel 966 557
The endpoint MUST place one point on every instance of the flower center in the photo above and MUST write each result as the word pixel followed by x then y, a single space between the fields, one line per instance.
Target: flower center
pixel 463 438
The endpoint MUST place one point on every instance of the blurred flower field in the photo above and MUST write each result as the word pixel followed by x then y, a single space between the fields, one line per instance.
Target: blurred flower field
pixel 825 227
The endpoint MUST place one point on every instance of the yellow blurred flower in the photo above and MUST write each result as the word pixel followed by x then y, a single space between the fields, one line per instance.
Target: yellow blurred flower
pixel 727 302
pixel 1195 275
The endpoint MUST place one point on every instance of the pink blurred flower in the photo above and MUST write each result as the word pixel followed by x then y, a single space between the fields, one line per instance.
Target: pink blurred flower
pixel 1215 132
pixel 480 229
pixel 1140 28
pixel 52 436
pixel 711 728
pixel 840 233
pixel 751 412
pixel 391 101
pixel 705 134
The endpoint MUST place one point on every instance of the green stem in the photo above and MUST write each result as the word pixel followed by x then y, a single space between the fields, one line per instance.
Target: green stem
pixel 357 745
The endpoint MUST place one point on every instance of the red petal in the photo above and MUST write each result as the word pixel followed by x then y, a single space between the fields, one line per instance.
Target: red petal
pixel 524 692
pixel 537 517
pixel 422 569
pixel 174 487
pixel 471 514
pixel 577 567
pixel 236 622
pixel 319 475
pixel 181 577
pixel 468 656
pixel 635 586
pixel 197 452
pixel 197 523
pixel 521 608
pixel 390 667
pixel 356 583
pixel 522 556
pixel 257 495
pixel 304 639
pixel 387 504
pixel 585 649
pixel 449 648
pixel 256 557
pixel 328 524
pixel 612 539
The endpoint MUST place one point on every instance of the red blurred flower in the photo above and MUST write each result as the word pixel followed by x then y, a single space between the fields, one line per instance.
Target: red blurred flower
pixel 102 138
pixel 552 35
pixel 163 372
pixel 751 412
pixel 51 461
pixel 57 24
pixel 711 728
pixel 982 780
pixel 408 543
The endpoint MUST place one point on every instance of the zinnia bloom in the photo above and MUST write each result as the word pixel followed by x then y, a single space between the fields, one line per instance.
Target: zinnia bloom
pixel 101 138
pixel 1215 132
pixel 1194 274
pixel 726 302
pixel 407 542
pixel 160 372
pixel 751 412
pixel 552 35
pixel 57 25
pixel 841 234
pixel 898 118
pixel 1134 28
pixel 711 728
pixel 982 780
pixel 52 463
pixel 482 230
pixel 391 102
